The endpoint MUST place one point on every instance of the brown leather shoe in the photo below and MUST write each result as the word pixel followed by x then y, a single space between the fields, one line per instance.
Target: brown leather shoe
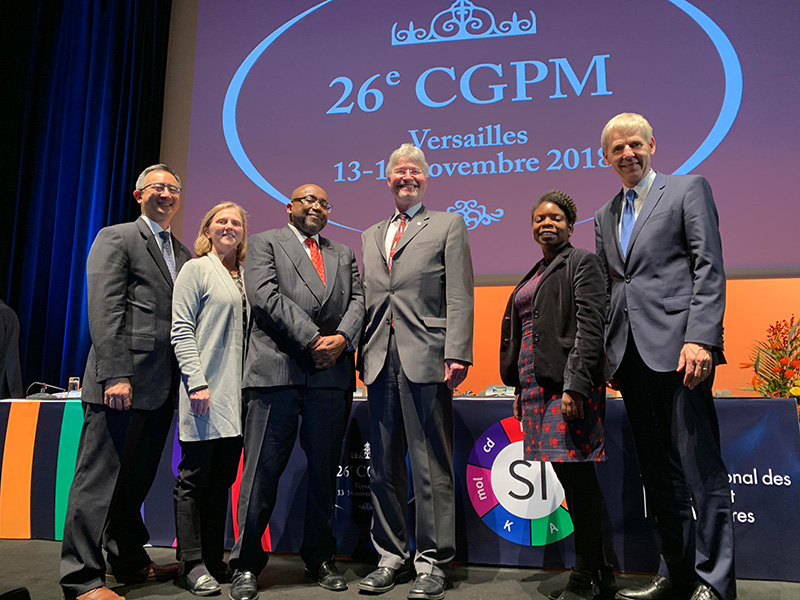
pixel 152 572
pixel 100 593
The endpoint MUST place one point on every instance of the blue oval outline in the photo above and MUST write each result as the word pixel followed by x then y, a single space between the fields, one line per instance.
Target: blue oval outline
pixel 731 102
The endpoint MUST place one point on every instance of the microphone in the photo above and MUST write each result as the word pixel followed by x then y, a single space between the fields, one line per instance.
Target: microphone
pixel 42 394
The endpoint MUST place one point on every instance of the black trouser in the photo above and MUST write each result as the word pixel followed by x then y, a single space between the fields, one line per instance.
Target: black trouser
pixel 205 474
pixel 585 503
pixel 118 456
pixel 269 435
pixel 676 433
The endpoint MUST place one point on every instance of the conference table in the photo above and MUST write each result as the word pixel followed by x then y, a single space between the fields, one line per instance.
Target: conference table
pixel 509 511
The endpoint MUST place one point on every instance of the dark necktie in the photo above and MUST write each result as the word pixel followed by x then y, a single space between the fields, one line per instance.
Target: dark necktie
pixel 401 227
pixel 166 250
pixel 316 258
pixel 628 220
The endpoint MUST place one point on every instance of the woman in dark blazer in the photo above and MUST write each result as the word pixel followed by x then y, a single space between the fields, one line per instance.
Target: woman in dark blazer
pixel 551 351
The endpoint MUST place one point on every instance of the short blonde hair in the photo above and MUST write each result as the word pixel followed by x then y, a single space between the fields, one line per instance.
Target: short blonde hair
pixel 202 245
pixel 628 123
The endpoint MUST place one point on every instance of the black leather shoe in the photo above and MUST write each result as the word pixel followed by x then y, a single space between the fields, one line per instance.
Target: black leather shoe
pixel 604 582
pixel 383 579
pixel 703 592
pixel 244 586
pixel 328 577
pixel 150 573
pixel 205 585
pixel 222 575
pixel 659 588
pixel 427 587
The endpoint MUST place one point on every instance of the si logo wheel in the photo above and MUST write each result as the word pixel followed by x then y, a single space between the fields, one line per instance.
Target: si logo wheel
pixel 521 501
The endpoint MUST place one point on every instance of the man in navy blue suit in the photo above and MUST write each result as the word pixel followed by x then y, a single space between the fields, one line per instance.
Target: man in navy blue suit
pixel 660 244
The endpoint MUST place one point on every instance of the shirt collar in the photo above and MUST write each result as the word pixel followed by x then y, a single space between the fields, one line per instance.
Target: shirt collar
pixel 154 227
pixel 410 212
pixel 302 236
pixel 643 187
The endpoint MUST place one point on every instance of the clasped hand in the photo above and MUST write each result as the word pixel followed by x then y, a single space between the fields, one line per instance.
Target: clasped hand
pixel 325 349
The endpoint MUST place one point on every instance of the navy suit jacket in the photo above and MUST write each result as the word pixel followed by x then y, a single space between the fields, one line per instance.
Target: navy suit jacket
pixel 669 289
pixel 289 305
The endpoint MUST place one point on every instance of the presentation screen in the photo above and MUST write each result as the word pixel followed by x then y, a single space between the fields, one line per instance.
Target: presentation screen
pixel 507 99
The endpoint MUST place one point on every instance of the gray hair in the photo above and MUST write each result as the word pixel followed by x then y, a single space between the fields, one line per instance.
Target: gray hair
pixel 628 123
pixel 411 152
pixel 140 181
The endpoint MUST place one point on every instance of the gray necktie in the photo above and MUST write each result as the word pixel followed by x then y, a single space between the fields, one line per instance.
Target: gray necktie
pixel 166 249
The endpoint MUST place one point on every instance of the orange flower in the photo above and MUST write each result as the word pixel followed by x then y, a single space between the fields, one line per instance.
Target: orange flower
pixel 796 364
pixel 784 361
pixel 790 374
pixel 749 365
pixel 777 370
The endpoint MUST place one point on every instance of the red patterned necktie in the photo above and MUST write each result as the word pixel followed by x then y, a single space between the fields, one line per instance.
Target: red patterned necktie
pixel 401 227
pixel 316 258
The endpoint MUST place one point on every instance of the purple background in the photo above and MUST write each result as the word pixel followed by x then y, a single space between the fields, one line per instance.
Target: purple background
pixel 662 64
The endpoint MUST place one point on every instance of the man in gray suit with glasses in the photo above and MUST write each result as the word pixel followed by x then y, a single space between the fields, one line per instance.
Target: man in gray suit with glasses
pixel 417 348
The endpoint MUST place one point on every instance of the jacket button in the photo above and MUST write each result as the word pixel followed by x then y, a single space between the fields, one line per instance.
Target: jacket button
pixel 625 310
pixel 535 337
pixel 628 279
pixel 535 314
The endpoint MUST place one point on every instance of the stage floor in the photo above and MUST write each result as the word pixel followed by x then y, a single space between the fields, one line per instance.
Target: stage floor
pixel 34 564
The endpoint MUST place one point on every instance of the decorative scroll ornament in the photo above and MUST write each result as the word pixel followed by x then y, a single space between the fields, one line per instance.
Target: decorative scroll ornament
pixel 463 21
pixel 475 214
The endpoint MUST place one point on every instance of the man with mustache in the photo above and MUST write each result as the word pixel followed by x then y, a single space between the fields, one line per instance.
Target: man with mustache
pixel 417 349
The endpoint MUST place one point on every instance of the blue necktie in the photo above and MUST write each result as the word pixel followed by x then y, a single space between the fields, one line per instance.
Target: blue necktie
pixel 628 219
pixel 166 249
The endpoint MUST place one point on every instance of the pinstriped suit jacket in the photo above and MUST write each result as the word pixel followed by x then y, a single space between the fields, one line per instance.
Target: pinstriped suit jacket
pixel 289 304
pixel 130 313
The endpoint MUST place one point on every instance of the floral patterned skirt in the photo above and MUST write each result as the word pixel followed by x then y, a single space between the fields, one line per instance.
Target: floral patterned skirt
pixel 547 436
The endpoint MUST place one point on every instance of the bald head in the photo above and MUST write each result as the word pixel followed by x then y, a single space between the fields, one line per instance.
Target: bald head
pixel 308 210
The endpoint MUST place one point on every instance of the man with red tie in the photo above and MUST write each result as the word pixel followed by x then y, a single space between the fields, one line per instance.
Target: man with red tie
pixel 307 314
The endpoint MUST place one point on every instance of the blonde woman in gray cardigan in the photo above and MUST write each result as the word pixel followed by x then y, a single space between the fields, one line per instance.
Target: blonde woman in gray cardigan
pixel 209 317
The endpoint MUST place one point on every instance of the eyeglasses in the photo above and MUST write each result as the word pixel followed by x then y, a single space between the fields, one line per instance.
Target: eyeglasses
pixel 159 188
pixel 402 171
pixel 312 200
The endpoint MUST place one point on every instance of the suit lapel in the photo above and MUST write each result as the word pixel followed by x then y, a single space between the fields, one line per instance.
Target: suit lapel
pixel 557 263
pixel 380 237
pixel 301 261
pixel 151 243
pixel 653 197
pixel 330 258
pixel 611 226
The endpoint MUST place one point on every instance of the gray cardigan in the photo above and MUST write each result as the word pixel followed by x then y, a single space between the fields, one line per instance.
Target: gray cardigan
pixel 207 334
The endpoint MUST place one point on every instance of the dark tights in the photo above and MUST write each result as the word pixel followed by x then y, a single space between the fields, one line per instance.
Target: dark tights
pixel 585 504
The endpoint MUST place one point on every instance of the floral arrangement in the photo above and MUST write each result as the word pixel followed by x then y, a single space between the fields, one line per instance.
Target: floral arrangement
pixel 776 361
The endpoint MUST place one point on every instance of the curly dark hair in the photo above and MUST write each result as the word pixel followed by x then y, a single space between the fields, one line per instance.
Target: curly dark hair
pixel 560 199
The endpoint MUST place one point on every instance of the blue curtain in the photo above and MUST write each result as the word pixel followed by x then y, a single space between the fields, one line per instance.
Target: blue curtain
pixel 82 95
